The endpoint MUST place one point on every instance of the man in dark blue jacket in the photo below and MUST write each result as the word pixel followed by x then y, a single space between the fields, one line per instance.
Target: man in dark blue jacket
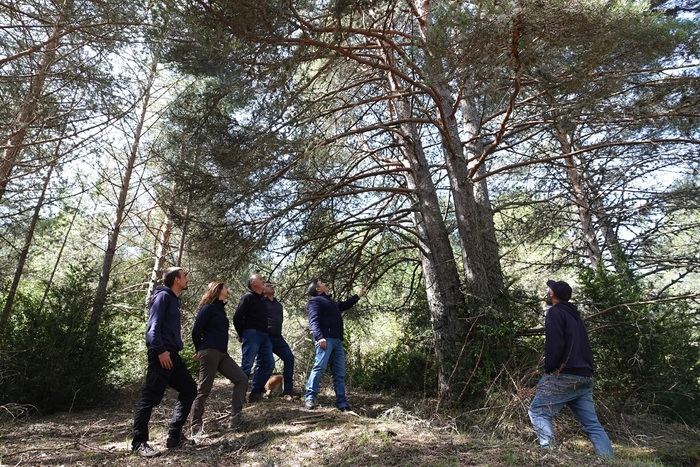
pixel 568 366
pixel 250 321
pixel 326 324
pixel 165 366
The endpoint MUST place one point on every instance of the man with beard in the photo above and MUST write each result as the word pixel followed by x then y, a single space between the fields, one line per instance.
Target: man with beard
pixel 165 366
pixel 568 366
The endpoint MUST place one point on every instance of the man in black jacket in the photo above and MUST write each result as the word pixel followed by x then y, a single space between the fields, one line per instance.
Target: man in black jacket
pixel 275 318
pixel 326 324
pixel 250 321
pixel 568 365
pixel 165 366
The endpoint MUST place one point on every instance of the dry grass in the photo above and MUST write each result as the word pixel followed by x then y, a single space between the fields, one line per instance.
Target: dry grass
pixel 383 431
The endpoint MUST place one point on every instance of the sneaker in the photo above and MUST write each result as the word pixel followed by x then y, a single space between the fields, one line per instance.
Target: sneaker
pixel 181 442
pixel 255 397
pixel 235 422
pixel 310 404
pixel 144 450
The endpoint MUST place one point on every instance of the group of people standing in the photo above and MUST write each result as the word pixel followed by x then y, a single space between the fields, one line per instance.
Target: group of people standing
pixel 258 324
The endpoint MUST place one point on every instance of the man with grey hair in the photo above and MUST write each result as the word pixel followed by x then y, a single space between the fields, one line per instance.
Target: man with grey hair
pixel 250 321
pixel 165 366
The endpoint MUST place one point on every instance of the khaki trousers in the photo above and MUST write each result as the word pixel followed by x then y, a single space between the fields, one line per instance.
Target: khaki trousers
pixel 212 361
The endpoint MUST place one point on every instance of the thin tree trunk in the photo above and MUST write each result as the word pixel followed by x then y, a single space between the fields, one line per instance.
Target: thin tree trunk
pixel 60 254
pixel 28 109
pixel 584 209
pixel 113 237
pixel 162 245
pixel 24 252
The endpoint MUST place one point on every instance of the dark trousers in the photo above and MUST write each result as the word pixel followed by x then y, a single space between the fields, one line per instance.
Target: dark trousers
pixel 282 350
pixel 157 380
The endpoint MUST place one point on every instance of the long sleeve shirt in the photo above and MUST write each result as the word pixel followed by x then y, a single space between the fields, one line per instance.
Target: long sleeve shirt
pixel 163 332
pixel 251 313
pixel 325 316
pixel 210 330
pixel 567 348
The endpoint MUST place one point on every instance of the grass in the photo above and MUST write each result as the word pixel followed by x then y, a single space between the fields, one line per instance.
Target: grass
pixel 383 432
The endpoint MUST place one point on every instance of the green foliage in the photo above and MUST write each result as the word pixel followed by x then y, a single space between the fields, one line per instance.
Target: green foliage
pixel 403 367
pixel 646 354
pixel 46 359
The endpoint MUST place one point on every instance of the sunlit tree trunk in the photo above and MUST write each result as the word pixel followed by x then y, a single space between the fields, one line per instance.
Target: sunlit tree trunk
pixel 113 236
pixel 28 114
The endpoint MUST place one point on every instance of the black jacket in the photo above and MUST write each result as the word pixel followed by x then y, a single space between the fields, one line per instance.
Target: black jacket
pixel 567 348
pixel 275 317
pixel 325 317
pixel 163 328
pixel 210 330
pixel 251 313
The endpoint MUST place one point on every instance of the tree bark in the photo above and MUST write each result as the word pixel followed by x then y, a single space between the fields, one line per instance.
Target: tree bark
pixel 113 236
pixel 162 246
pixel 24 252
pixel 474 148
pixel 28 109
pixel 573 172
pixel 466 210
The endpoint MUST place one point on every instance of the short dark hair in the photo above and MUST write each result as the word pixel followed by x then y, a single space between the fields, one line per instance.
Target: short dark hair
pixel 311 290
pixel 170 275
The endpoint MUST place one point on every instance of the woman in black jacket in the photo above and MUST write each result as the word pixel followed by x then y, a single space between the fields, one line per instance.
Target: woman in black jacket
pixel 210 337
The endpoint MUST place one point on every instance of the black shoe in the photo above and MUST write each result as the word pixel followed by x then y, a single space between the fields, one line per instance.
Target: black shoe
pixel 345 408
pixel 181 442
pixel 144 450
pixel 255 397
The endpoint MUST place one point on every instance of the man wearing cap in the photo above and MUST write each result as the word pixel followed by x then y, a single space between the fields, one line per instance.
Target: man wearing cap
pixel 568 366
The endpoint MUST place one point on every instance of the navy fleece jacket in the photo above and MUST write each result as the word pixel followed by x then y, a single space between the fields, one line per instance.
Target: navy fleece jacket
pixel 567 348
pixel 325 317
pixel 163 328
pixel 210 330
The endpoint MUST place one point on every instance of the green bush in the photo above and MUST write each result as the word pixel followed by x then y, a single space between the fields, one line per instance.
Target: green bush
pixel 46 359
pixel 645 353
pixel 402 367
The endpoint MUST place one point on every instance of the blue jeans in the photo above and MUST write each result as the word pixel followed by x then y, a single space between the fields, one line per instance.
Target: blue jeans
pixel 282 350
pixel 333 354
pixel 257 344
pixel 556 391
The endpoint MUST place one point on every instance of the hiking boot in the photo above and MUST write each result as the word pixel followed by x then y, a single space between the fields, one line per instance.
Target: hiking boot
pixel 144 450
pixel 235 422
pixel 310 404
pixel 181 442
pixel 255 397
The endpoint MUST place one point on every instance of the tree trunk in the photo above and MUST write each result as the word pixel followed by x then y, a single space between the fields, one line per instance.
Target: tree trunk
pixel 113 236
pixel 60 254
pixel 445 298
pixel 162 246
pixel 584 209
pixel 474 148
pixel 466 210
pixel 24 252
pixel 28 109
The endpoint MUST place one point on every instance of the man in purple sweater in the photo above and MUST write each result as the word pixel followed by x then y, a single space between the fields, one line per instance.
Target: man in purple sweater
pixel 568 366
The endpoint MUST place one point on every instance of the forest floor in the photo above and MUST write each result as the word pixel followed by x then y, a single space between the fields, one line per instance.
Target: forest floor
pixel 279 432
